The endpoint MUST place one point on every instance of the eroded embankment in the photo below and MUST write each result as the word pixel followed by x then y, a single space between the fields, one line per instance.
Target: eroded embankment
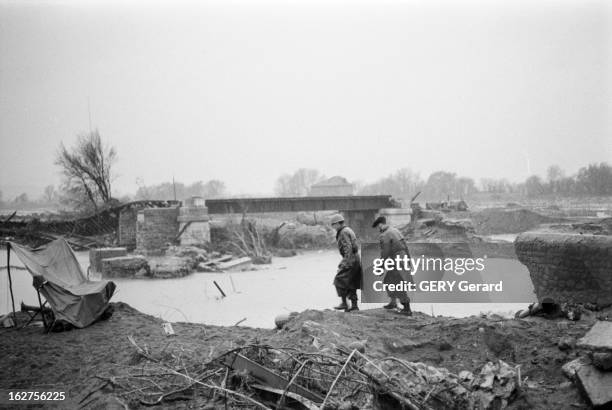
pixel 99 365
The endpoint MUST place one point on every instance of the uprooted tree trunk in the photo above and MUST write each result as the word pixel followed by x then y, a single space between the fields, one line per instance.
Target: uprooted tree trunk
pixel 247 240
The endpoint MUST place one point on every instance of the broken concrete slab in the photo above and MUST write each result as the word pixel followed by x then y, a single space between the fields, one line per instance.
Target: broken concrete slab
pixel 599 338
pixel 236 264
pixel 596 386
pixel 125 267
pixel 96 256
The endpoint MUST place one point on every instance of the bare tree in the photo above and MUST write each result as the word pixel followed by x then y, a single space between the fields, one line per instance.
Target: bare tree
pixel 49 194
pixel 87 168
pixel 298 183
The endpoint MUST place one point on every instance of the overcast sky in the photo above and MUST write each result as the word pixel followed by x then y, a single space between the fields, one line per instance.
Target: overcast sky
pixel 246 91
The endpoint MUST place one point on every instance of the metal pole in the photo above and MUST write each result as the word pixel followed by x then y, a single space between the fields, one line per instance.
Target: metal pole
pixel 8 268
pixel 174 187
pixel 42 311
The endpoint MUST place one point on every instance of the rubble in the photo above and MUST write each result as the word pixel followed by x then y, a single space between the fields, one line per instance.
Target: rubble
pixel 125 267
pixel 596 385
pixel 599 338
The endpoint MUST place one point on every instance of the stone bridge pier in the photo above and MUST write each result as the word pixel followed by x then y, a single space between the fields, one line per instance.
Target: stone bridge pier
pixel 567 267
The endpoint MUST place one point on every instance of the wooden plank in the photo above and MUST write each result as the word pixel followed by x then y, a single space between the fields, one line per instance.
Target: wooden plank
pixel 224 258
pixel 308 404
pixel 238 362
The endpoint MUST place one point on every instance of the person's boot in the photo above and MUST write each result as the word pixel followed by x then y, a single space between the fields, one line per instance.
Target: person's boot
pixel 353 306
pixel 342 306
pixel 406 309
pixel 390 305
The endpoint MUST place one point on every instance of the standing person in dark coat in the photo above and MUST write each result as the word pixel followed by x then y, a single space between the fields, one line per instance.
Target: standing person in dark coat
pixel 348 276
pixel 392 244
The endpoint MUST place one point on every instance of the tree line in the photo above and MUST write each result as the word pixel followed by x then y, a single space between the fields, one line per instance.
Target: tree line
pixel 87 176
pixel 591 180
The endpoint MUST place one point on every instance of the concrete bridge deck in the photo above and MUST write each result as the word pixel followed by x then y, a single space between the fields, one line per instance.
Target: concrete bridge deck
pixel 296 204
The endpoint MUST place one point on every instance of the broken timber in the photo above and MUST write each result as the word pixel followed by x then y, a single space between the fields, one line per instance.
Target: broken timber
pixel 238 362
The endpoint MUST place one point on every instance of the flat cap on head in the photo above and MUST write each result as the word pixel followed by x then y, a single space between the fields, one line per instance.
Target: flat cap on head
pixel 335 218
pixel 378 221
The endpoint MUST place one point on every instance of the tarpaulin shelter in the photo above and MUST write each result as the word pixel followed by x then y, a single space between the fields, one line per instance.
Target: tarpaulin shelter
pixel 72 297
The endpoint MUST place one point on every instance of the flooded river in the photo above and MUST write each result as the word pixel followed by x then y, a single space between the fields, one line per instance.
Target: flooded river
pixel 288 284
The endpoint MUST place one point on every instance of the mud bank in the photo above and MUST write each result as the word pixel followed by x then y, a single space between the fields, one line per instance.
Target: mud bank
pixel 89 364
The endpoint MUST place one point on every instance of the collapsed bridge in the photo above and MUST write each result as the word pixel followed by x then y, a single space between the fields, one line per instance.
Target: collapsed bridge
pixel 359 211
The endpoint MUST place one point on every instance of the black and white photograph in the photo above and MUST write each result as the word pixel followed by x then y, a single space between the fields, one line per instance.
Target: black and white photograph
pixel 306 204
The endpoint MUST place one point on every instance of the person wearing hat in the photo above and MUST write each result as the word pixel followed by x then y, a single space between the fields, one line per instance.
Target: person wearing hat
pixel 348 275
pixel 392 244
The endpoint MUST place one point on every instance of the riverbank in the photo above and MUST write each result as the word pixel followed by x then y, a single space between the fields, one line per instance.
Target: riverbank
pixel 82 362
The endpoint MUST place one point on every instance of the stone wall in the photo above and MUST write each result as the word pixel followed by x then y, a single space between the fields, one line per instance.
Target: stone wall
pixel 127 228
pixel 568 267
pixel 155 228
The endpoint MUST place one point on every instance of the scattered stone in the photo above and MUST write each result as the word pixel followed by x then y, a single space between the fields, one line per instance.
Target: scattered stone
pixel 125 267
pixel 573 313
pixel 570 368
pixel 602 360
pixel 281 320
pixel 599 338
pixel 359 345
pixel 566 343
pixel 168 330
pixel 596 385
pixel 466 375
pixel 444 345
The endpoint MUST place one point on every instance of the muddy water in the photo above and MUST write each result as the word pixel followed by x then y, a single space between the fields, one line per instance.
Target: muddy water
pixel 289 284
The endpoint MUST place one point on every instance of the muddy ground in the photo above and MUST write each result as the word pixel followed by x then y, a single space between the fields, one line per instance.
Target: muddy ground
pixel 84 362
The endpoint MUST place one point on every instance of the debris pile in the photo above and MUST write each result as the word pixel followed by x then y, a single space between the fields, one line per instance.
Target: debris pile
pixel 177 261
pixel 263 376
pixel 508 220
pixel 592 371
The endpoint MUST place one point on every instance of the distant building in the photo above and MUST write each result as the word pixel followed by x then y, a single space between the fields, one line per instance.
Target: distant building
pixel 334 186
